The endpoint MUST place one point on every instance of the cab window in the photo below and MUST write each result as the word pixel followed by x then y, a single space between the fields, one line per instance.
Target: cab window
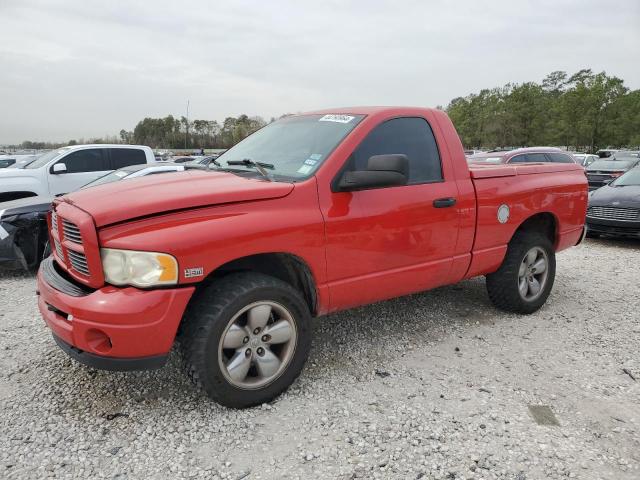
pixel 125 157
pixel 409 136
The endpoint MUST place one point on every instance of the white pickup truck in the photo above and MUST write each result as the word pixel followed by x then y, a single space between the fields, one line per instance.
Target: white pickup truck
pixel 66 169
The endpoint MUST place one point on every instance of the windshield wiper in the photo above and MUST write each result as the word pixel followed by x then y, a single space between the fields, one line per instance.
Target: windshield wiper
pixel 259 166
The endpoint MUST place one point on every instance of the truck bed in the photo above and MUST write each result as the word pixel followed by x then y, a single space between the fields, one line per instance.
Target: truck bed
pixel 557 190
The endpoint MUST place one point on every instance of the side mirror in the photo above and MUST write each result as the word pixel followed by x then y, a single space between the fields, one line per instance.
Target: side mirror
pixel 382 171
pixel 59 168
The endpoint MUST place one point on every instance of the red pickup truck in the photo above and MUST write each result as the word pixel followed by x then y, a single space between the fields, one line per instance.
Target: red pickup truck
pixel 314 213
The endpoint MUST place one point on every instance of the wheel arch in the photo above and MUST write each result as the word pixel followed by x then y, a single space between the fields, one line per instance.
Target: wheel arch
pixel 543 222
pixel 284 266
pixel 8 196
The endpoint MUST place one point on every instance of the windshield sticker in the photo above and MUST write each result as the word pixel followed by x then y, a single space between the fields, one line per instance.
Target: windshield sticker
pixel 315 156
pixel 304 169
pixel 337 118
pixel 310 161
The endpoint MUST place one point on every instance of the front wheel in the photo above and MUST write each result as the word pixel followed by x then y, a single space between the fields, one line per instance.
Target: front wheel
pixel 523 282
pixel 245 339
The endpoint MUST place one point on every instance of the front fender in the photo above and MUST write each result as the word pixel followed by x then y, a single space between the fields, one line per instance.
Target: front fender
pixel 203 239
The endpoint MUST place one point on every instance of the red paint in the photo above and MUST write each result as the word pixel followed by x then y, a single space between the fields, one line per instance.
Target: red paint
pixel 360 247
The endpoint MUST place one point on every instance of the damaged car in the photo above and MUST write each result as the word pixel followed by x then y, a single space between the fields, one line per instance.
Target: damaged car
pixel 23 222
pixel 23 232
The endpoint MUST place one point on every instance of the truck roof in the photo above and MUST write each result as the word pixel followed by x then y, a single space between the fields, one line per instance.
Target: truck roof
pixel 369 110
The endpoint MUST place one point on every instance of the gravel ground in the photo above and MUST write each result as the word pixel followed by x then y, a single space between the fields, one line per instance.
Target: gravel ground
pixel 436 385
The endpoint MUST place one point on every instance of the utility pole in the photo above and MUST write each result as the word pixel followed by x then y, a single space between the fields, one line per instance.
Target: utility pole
pixel 186 133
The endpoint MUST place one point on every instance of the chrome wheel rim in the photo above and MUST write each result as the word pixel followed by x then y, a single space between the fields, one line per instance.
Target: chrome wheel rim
pixel 533 274
pixel 257 345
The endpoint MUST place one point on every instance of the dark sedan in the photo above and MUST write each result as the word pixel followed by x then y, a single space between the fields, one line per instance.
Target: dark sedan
pixel 601 172
pixel 615 208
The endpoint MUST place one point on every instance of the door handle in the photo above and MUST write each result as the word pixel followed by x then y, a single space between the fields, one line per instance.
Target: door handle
pixel 444 202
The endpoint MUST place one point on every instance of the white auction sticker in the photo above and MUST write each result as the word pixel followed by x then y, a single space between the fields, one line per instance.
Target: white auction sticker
pixel 337 118
pixel 3 233
pixel 304 169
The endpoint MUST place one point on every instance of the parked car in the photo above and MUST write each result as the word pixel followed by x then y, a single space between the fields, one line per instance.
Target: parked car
pixel 585 159
pixel 606 152
pixel 205 161
pixel 24 160
pixel 524 155
pixel 624 155
pixel 182 159
pixel 67 169
pixel 312 214
pixel 470 153
pixel 7 162
pixel 603 171
pixel 614 209
pixel 23 222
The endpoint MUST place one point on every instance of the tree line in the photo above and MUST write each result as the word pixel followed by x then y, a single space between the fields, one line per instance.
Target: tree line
pixel 171 132
pixel 583 111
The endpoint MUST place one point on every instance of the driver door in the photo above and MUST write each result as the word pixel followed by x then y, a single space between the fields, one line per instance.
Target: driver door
pixel 391 241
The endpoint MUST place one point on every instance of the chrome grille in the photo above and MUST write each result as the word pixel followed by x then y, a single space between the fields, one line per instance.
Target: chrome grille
pixel 78 262
pixel 614 213
pixel 71 232
pixel 58 249
pixel 54 221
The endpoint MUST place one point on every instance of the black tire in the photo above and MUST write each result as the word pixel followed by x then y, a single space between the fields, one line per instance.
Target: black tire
pixel 502 285
pixel 207 318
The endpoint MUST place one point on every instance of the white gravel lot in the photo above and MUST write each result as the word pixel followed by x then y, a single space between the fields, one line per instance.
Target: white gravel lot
pixel 435 385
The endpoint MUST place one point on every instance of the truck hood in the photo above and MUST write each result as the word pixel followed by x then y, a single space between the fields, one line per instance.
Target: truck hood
pixel 157 194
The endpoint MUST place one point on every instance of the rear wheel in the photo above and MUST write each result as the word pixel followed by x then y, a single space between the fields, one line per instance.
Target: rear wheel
pixel 524 280
pixel 245 338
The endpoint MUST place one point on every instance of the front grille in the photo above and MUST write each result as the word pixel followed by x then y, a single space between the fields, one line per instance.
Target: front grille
pixel 74 244
pixel 58 249
pixel 78 262
pixel 71 232
pixel 614 213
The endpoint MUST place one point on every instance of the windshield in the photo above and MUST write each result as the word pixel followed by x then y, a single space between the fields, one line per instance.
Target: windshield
pixel 632 177
pixel 45 158
pixel 624 156
pixel 296 146
pixel 108 178
pixel 611 164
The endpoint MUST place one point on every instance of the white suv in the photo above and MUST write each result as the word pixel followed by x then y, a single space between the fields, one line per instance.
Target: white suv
pixel 66 169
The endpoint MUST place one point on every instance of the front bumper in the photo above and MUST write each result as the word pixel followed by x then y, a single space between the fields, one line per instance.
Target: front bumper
pixel 618 228
pixel 110 328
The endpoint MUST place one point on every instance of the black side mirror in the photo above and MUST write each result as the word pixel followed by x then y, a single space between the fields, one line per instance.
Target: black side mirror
pixel 382 171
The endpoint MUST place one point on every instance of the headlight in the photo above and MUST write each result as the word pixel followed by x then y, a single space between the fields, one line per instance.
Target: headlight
pixel 140 269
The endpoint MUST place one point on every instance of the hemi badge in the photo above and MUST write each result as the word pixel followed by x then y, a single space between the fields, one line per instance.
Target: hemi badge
pixel 193 272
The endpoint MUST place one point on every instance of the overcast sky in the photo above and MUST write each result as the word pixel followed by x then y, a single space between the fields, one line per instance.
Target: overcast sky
pixel 80 68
